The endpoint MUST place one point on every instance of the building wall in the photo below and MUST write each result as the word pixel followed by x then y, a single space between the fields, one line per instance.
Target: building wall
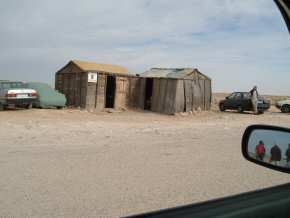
pixel 169 95
pixel 73 84
pixel 177 95
pixel 134 96
pixel 101 93
pixel 122 92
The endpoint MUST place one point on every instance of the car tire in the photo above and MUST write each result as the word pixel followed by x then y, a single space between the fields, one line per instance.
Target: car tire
pixel 222 107
pixel 285 109
pixel 240 109
pixel 29 106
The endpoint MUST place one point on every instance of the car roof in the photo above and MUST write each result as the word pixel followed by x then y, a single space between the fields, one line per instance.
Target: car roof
pixel 242 92
pixel 9 81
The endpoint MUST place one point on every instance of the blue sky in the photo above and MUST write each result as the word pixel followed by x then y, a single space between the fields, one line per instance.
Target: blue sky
pixel 237 43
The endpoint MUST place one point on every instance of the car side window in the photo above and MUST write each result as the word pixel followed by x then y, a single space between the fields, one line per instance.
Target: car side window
pixel 247 95
pixel 6 85
pixel 238 96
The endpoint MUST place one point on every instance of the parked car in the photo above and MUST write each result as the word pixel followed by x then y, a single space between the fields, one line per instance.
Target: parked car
pixel 284 106
pixel 16 94
pixel 241 101
pixel 47 96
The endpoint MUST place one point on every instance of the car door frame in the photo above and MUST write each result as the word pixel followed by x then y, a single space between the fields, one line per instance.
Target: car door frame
pixel 269 202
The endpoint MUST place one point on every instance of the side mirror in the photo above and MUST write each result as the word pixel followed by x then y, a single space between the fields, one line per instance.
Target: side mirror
pixel 268 146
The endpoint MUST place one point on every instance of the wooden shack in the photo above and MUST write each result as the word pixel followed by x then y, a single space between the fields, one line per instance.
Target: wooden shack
pixel 94 87
pixel 169 91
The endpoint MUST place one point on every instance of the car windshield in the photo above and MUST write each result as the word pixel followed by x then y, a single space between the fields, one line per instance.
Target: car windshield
pixel 146 108
pixel 13 85
pixel 233 95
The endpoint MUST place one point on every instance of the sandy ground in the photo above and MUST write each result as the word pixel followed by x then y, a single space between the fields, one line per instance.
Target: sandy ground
pixel 69 163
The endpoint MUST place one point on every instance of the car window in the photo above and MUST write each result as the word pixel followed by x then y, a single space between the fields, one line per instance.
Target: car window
pixel 238 96
pixel 13 85
pixel 232 96
pixel 247 95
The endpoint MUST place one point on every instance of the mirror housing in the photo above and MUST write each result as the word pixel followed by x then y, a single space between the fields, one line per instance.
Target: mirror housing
pixel 268 146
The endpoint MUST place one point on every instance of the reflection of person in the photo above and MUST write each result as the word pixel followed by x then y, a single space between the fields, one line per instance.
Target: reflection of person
pixel 260 150
pixel 287 154
pixel 275 154
pixel 254 99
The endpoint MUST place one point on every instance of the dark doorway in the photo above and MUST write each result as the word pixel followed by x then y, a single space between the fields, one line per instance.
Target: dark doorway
pixel 110 91
pixel 148 94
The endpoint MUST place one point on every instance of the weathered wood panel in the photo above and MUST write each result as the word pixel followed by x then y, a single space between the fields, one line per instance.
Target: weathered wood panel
pixel 202 97
pixel 120 94
pixel 179 97
pixel 142 93
pixel 155 95
pixel 100 96
pixel 162 95
pixel 134 92
pixel 188 93
pixel 196 94
pixel 208 94
pixel 91 96
pixel 83 91
pixel 169 104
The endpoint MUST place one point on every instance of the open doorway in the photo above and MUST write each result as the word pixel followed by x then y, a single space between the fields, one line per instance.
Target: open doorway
pixel 148 93
pixel 110 91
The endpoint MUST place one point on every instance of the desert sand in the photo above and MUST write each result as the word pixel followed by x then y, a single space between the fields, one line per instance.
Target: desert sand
pixel 71 163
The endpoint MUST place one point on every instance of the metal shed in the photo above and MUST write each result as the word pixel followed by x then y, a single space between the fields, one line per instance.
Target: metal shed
pixel 172 90
pixel 95 86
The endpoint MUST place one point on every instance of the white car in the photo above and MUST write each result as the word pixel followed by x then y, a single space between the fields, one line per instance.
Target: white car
pixel 284 106
pixel 14 94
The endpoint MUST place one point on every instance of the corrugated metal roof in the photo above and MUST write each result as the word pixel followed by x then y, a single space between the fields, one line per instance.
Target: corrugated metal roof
pixel 174 73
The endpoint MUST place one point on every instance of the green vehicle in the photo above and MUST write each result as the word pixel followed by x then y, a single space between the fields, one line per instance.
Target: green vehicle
pixel 47 96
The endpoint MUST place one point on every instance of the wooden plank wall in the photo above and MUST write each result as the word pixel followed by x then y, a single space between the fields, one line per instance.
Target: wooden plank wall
pixel 91 96
pixel 208 94
pixel 202 96
pixel 83 89
pixel 188 93
pixel 122 88
pixel 196 94
pixel 179 98
pixel 134 92
pixel 142 93
pixel 73 84
pixel 155 101
pixel 101 92
pixel 169 104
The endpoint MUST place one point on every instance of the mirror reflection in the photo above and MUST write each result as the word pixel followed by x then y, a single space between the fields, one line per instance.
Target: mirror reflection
pixel 270 146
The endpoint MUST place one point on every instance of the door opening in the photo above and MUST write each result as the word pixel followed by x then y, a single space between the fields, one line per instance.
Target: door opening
pixel 110 91
pixel 148 93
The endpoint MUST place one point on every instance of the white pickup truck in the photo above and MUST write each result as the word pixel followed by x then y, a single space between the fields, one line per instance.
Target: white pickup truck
pixel 15 94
